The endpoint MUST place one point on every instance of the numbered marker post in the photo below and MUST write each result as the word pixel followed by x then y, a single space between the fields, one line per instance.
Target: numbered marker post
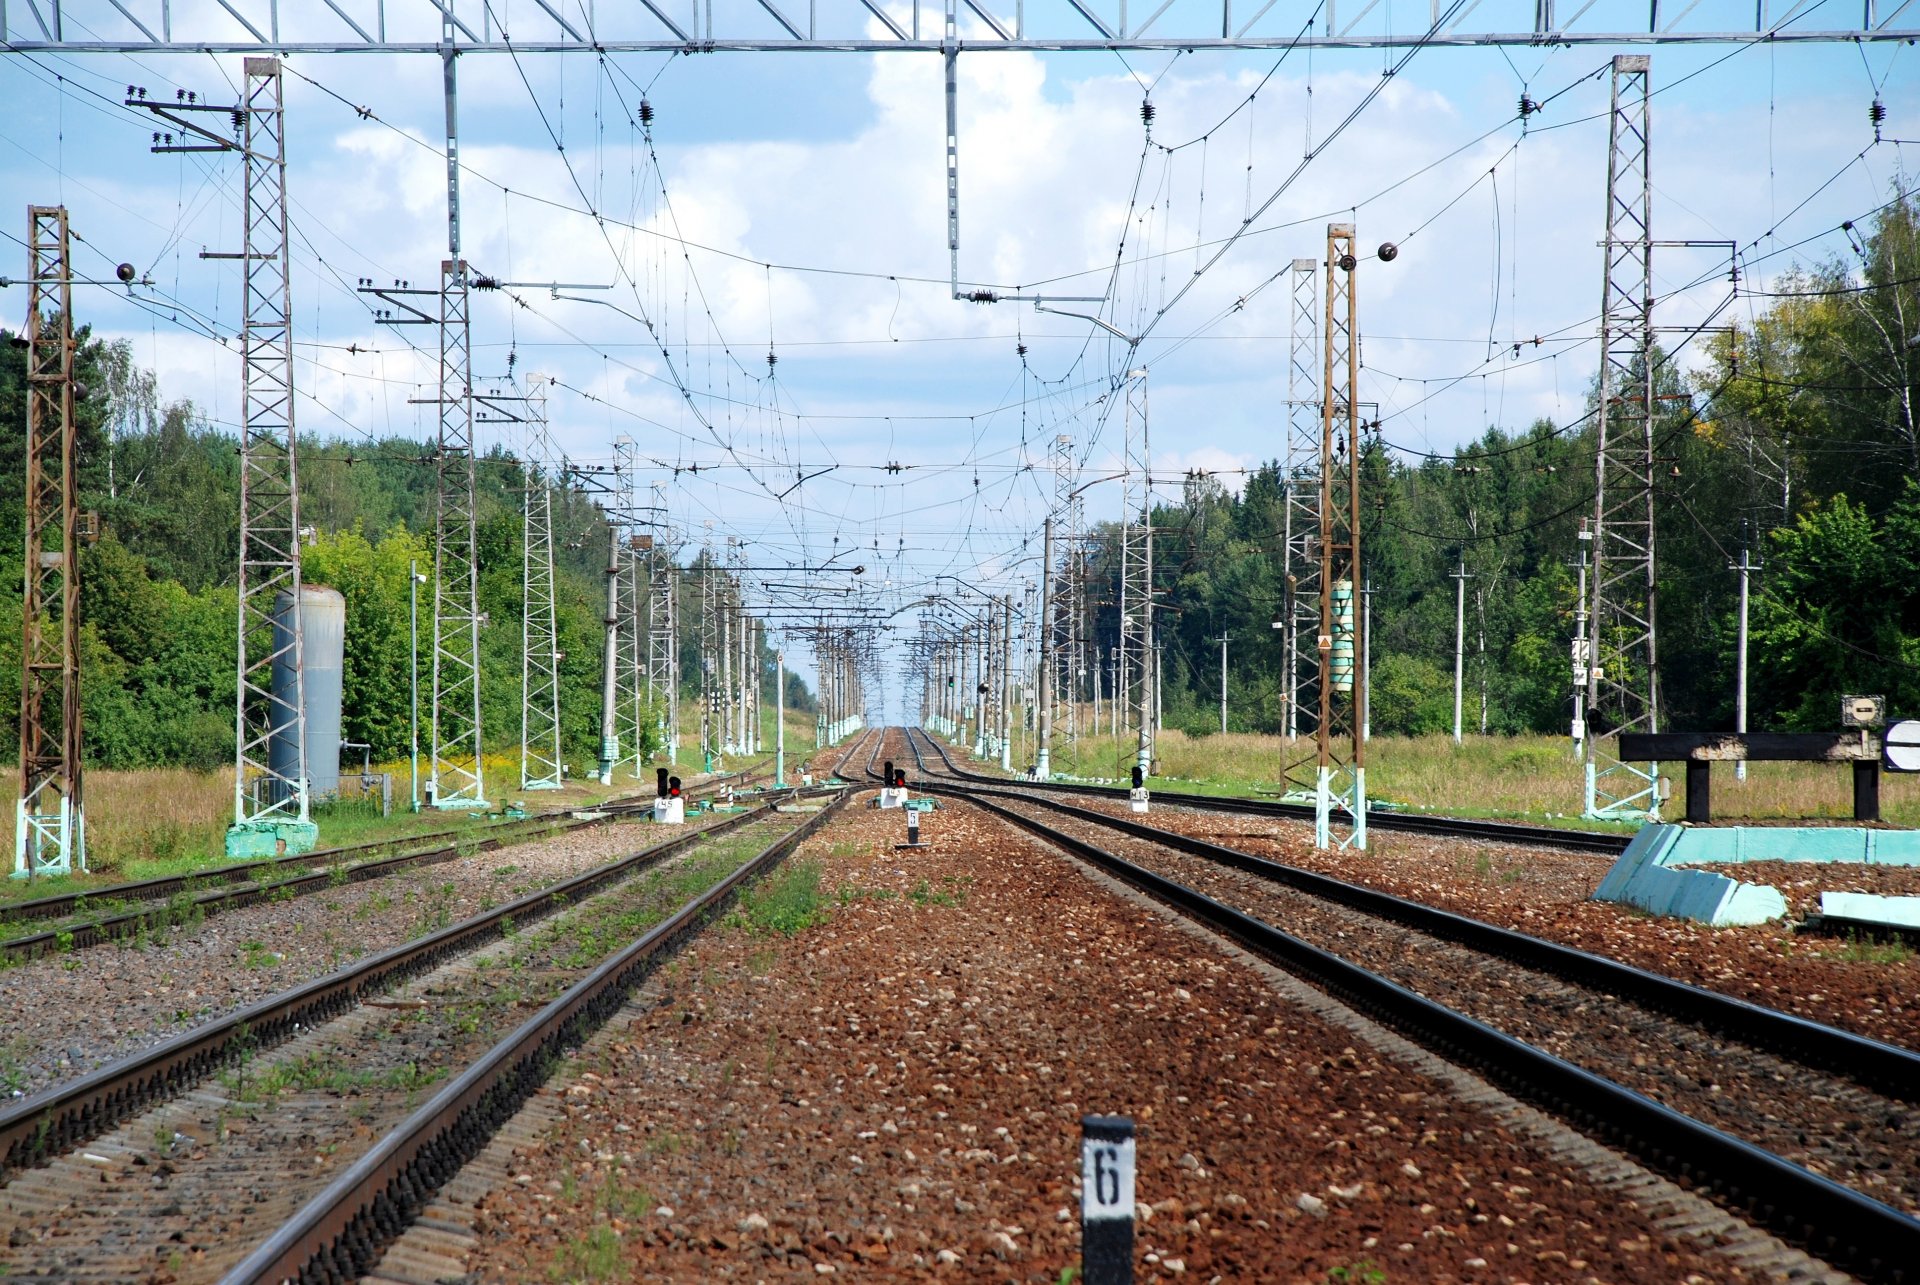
pixel 1106 1200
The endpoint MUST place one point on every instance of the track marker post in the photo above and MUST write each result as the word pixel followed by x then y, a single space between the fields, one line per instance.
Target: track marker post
pixel 1137 796
pixel 1106 1200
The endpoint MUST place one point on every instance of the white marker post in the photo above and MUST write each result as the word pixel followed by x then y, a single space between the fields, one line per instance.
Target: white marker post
pixel 1106 1200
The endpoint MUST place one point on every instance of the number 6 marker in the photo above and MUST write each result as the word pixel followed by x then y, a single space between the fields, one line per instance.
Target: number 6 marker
pixel 1106 1200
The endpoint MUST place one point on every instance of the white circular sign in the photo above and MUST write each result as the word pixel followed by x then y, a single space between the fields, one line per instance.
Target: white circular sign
pixel 1901 746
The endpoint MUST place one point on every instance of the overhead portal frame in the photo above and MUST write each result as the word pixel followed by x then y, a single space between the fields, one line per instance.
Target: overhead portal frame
pixel 866 26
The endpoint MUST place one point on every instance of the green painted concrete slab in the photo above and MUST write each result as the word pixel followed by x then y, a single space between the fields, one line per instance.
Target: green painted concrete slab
pixel 1895 912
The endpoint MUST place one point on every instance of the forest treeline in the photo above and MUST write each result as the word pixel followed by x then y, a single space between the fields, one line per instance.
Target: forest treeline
pixel 1795 438
pixel 158 597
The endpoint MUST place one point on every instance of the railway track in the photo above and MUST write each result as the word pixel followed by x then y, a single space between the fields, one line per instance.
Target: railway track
pixel 1803 1127
pixel 186 1159
pixel 115 912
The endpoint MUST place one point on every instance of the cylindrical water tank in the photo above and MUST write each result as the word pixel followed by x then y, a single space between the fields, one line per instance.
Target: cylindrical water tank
pixel 323 637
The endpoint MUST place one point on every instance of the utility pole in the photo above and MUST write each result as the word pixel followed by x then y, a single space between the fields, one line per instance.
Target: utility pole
pixel 1006 682
pixel 1301 485
pixel 1136 568
pixel 629 701
pixel 1043 755
pixel 1459 641
pixel 1582 649
pixel 780 720
pixel 1222 640
pixel 610 661
pixel 414 581
pixel 540 751
pixel 1623 680
pixel 1746 567
pixel 50 833
pixel 663 633
pixel 271 804
pixel 1341 774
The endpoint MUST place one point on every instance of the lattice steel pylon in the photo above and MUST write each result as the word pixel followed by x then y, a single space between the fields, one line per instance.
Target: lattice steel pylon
pixel 50 833
pixel 1340 776
pixel 1623 676
pixel 1134 682
pixel 540 751
pixel 629 686
pixel 1300 610
pixel 663 636
pixel 1062 632
pixel 265 801
pixel 457 777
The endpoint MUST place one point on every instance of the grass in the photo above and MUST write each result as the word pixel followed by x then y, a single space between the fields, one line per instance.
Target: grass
pixel 320 1072
pixel 787 902
pixel 172 821
pixel 1866 950
pixel 951 892
pixel 594 1256
pixel 1534 778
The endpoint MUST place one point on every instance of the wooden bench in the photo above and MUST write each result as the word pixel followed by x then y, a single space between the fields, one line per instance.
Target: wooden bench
pixel 1701 750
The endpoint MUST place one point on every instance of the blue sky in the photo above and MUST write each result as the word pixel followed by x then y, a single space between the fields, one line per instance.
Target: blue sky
pixel 830 168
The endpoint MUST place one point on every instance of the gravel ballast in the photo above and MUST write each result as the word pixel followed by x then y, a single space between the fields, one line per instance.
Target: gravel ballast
pixel 895 1093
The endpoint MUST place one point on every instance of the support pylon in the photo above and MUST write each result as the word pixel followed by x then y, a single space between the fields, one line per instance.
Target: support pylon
pixel 540 750
pixel 1134 686
pixel 663 646
pixel 1340 779
pixel 1623 681
pixel 630 712
pixel 49 823
pixel 458 775
pixel 1300 608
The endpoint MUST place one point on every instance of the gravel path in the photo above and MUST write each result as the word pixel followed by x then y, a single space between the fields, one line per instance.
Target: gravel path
pixel 896 1094
pixel 68 1014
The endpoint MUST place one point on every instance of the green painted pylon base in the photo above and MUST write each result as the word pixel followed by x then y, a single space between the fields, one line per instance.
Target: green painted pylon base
pixel 250 840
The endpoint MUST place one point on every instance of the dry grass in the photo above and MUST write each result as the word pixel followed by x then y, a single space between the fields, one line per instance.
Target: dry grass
pixel 1528 776
pixel 139 818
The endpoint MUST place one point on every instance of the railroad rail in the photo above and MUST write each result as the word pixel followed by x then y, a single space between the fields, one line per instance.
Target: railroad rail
pixel 1833 1220
pixel 339 1235
pixel 1537 836
pixel 95 916
pixel 67 1115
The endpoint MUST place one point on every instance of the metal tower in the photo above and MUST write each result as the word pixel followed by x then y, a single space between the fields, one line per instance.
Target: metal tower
pixel 265 800
pixel 709 634
pixel 629 684
pixel 457 775
pixel 1134 685
pixel 1300 609
pixel 540 755
pixel 1062 633
pixel 663 645
pixel 50 834
pixel 1340 779
pixel 1623 678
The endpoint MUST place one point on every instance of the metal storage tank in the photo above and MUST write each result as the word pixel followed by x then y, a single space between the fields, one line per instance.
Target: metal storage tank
pixel 323 628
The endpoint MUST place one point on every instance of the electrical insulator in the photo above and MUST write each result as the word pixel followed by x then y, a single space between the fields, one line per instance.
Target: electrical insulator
pixel 1389 252
pixel 1146 112
pixel 1877 113
pixel 646 112
pixel 1346 262
pixel 1527 107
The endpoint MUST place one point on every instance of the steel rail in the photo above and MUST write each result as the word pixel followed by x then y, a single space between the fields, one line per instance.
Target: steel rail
pixel 1538 836
pixel 63 904
pixel 66 1115
pixel 1838 1224
pixel 340 1233
pixel 1888 1069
